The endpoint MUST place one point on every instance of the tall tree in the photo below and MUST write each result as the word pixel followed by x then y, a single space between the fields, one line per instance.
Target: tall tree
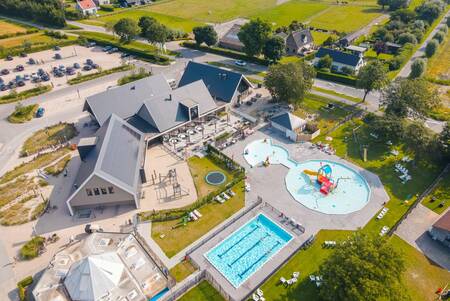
pixel 127 29
pixel 254 35
pixel 289 82
pixel 430 10
pixel 146 22
pixel 383 3
pixel 419 139
pixel 157 33
pixel 274 48
pixel 363 268
pixel 372 76
pixel 397 4
pixel 409 97
pixel 205 34
pixel 444 142
pixel 417 68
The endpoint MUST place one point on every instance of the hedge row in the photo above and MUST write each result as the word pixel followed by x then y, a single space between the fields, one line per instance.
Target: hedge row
pixel 22 287
pixel 86 77
pixel 143 55
pixel 338 78
pixel 13 97
pixel 226 52
pixel 18 50
pixel 17 34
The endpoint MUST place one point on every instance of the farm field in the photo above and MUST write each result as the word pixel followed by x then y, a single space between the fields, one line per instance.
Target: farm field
pixel 438 66
pixel 7 28
pixel 34 38
pixel 346 18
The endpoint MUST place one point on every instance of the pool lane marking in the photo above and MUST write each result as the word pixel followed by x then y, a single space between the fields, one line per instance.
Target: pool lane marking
pixel 260 258
pixel 248 250
pixel 242 238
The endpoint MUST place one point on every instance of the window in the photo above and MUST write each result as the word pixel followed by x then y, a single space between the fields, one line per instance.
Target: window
pixel 96 191
pixel 103 190
pixel 88 191
pixel 111 189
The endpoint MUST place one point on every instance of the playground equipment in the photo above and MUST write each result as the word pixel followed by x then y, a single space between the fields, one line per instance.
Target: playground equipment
pixel 323 178
pixel 266 162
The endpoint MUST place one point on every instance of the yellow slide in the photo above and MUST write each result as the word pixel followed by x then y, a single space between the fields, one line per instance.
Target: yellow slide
pixel 310 172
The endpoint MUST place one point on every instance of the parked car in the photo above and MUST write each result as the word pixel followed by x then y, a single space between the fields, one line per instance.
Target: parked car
pixel 70 71
pixel 240 63
pixel 87 68
pixel 21 83
pixel 9 58
pixel 19 68
pixel 57 48
pixel 95 66
pixel 89 62
pixel 62 68
pixel 107 48
pixel 45 77
pixel 91 228
pixel 23 54
pixel 112 50
pixel 124 55
pixel 3 87
pixel 18 78
pixel 58 74
pixel 91 44
pixel 41 72
pixel 58 56
pixel 26 77
pixel 5 71
pixel 40 112
pixel 248 103
pixel 76 66
pixel 31 61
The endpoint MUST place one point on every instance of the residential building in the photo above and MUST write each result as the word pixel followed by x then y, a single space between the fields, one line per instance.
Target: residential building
pixel 103 266
pixel 340 59
pixel 223 85
pixel 289 124
pixel 231 40
pixel 102 2
pixel 298 42
pixel 356 50
pixel 86 7
pixel 350 38
pixel 440 230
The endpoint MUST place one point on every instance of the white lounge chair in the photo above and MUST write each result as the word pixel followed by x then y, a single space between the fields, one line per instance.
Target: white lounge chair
pixel 231 192
pixel 312 278
pixel 283 280
pixel 225 196
pixel 255 297
pixel 193 216
pixel 295 274
pixel 259 292
pixel 198 214
pixel 219 199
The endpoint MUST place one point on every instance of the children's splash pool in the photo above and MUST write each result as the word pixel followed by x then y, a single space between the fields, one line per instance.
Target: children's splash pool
pixel 321 185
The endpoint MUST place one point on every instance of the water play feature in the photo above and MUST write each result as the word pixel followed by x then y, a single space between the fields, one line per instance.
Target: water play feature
pixel 322 185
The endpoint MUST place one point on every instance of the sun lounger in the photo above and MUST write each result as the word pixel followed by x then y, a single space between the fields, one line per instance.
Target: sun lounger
pixel 198 214
pixel 261 298
pixel 231 192
pixel 219 199
pixel 312 278
pixel 225 196
pixel 283 281
pixel 259 292
pixel 295 274
pixel 384 230
pixel 394 152
pixel 255 297
pixel 193 216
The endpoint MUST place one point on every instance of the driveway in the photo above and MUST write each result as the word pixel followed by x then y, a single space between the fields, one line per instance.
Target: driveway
pixel 414 231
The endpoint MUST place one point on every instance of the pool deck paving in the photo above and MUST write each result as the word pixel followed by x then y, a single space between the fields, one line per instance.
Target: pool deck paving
pixel 268 183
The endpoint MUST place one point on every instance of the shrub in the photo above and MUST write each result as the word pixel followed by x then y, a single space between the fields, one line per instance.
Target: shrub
pixel 343 79
pixel 13 97
pixel 325 62
pixel 417 68
pixel 407 38
pixel 444 28
pixel 347 70
pixel 439 36
pixel 31 249
pixel 22 113
pixel 431 48
pixel 86 77
pixel 22 285
pixel 107 7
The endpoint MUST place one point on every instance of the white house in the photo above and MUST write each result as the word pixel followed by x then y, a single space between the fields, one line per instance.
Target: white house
pixel 86 7
pixel 289 124
pixel 340 59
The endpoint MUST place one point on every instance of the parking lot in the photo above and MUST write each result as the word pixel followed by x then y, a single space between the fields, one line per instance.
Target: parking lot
pixel 54 70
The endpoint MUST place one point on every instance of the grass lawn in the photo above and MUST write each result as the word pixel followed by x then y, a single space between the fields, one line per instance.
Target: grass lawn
pixel 199 168
pixel 48 137
pixel 320 37
pixel 284 14
pixel 182 270
pixel 36 39
pixel 370 53
pixel 382 163
pixel 10 28
pixel 314 104
pixel 170 21
pixel 290 59
pixel 23 113
pixel 346 18
pixel 202 292
pixel 58 167
pixel 440 194
pixel 177 237
pixel 438 66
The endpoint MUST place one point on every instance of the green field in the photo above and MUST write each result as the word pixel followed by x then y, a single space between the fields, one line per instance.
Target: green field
pixel 346 18
pixel 202 292
pixel 441 194
pixel 438 66
pixel 7 28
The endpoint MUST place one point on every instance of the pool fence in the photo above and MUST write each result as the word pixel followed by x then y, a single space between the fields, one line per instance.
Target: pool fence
pixel 181 288
pixel 283 219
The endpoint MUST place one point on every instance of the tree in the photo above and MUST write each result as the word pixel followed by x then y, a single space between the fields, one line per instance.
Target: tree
pixel 289 82
pixel 407 37
pixel 325 62
pixel 405 15
pixel 372 76
pixel 388 127
pixel 383 3
pixel 431 48
pixel 274 48
pixel 430 10
pixel 254 35
pixel 409 97
pixel 127 29
pixel 205 34
pixel 146 22
pixel 417 68
pixel 397 4
pixel 439 36
pixel 419 139
pixel 363 268
pixel 157 33
pixel 379 47
pixel 444 142
pixel 447 22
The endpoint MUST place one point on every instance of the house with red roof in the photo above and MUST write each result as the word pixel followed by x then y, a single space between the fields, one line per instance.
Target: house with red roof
pixel 86 7
pixel 440 230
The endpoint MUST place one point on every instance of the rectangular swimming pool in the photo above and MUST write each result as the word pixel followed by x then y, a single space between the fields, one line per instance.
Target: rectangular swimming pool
pixel 247 249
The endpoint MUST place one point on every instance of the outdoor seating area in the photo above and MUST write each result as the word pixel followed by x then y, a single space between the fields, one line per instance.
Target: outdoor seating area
pixel 329 244
pixel 316 279
pixel 290 281
pixel 324 147
pixel 225 196
pixel 404 177
pixel 382 213
pixel 384 230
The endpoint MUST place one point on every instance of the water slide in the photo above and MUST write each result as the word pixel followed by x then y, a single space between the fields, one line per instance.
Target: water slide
pixel 310 172
pixel 326 186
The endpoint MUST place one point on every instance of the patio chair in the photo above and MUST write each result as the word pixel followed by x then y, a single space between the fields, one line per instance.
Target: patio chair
pixel 295 274
pixel 312 278
pixel 193 216
pixel 225 196
pixel 219 199
pixel 259 292
pixel 283 280
pixel 198 214
pixel 255 297
pixel 231 192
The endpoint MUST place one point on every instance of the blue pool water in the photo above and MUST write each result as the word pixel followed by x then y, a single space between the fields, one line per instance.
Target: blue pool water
pixel 351 194
pixel 246 250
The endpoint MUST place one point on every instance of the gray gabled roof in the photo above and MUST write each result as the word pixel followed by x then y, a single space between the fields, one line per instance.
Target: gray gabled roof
pixel 288 121
pixel 168 110
pixel 221 83
pixel 125 101
pixel 339 56
pixel 299 39
pixel 116 157
pixel 231 36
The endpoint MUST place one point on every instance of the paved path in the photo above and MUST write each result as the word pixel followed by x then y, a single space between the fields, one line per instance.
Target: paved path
pixel 406 70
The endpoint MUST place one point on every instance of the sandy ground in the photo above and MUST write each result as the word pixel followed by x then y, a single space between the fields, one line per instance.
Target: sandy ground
pixel 46 61
pixel 160 195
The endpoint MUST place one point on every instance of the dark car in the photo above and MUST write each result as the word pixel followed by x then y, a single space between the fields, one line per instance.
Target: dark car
pixel 36 79
pixel 5 71
pixel 21 83
pixel 40 112
pixel 3 87
pixel 11 85
pixel 70 71
pixel 58 56
pixel 23 54
pixel 112 50
pixel 45 78
pixel 87 68
pixel 40 72
pixel 91 44
pixel 76 66
pixel 248 103
pixel 59 74
pixel 20 68
pixel 9 58
pixel 56 48
pixel 106 48
pixel 124 55
pixel 1 81
pixel 95 66
pixel 89 62
pixel 31 61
